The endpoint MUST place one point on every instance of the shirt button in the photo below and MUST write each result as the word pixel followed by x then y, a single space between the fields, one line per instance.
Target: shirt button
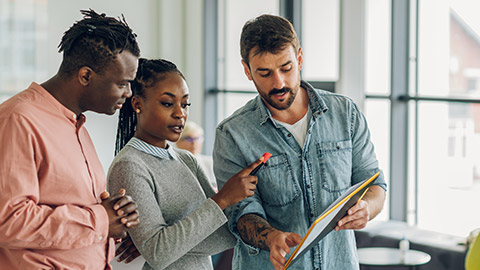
pixel 338 146
pixel 308 186
pixel 311 214
pixel 74 117
pixel 289 135
pixel 100 238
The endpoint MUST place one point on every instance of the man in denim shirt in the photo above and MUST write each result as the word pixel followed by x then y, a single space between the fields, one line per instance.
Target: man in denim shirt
pixel 320 144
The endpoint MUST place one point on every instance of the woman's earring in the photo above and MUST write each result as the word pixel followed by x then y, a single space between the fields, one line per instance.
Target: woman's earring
pixel 137 110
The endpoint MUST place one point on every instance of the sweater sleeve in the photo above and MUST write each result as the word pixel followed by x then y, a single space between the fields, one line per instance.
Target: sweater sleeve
pixel 222 239
pixel 159 243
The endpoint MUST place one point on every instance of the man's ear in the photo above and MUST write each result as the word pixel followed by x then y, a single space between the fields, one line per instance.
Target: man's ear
pixel 300 59
pixel 246 69
pixel 84 75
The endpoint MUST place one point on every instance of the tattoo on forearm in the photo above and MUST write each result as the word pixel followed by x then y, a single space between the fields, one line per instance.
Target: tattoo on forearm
pixel 254 230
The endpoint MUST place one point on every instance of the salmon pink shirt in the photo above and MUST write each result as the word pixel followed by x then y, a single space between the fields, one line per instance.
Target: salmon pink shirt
pixel 50 186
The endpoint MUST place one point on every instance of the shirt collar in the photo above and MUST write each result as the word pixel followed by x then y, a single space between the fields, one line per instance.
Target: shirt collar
pixel 163 153
pixel 316 104
pixel 77 120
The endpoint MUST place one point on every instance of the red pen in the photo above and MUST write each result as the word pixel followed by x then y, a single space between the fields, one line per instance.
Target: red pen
pixel 266 156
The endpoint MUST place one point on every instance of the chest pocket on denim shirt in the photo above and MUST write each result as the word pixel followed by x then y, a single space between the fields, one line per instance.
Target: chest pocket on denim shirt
pixel 336 165
pixel 276 184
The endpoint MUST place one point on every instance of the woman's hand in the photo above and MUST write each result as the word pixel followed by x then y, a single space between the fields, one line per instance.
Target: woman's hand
pixel 238 187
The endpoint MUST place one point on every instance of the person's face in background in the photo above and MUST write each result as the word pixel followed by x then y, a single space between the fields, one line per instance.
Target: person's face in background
pixel 163 112
pixel 276 76
pixel 193 142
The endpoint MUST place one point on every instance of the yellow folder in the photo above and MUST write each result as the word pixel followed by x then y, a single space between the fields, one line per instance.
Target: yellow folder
pixel 327 221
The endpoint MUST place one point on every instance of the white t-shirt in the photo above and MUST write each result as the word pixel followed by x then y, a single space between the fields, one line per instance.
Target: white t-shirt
pixel 298 129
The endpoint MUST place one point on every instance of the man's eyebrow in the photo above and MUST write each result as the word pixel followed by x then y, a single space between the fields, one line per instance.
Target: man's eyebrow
pixel 262 69
pixel 267 69
pixel 287 63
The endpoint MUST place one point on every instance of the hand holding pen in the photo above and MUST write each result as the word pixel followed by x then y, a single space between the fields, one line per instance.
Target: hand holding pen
pixel 241 185
pixel 265 157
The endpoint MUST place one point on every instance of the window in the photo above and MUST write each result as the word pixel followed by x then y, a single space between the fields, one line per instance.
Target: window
pixel 231 77
pixel 320 40
pixel 23 28
pixel 377 83
pixel 447 117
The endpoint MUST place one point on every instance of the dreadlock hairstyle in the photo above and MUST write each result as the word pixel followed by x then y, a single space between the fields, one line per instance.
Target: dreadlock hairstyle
pixel 95 42
pixel 149 73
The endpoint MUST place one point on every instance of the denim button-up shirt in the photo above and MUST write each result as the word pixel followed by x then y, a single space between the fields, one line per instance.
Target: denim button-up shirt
pixel 295 186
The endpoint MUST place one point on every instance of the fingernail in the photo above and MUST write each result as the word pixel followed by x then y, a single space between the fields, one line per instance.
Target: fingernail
pixel 120 213
pixel 128 224
pixel 123 220
pixel 115 207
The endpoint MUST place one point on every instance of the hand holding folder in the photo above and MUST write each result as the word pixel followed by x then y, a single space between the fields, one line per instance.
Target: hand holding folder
pixel 327 221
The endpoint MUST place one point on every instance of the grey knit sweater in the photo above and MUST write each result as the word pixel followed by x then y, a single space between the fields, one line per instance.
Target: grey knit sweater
pixel 179 227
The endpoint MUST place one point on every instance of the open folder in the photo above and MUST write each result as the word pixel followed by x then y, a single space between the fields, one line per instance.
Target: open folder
pixel 329 218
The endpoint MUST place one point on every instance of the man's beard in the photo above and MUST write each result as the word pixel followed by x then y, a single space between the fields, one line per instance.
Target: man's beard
pixel 280 105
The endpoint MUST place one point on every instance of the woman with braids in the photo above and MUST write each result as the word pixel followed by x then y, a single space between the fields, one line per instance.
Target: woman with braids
pixel 182 219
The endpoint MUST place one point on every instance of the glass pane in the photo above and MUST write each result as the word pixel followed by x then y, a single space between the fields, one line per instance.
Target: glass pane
pixel 448 167
pixel 232 16
pixel 449 48
pixel 412 163
pixel 377 112
pixel 23 28
pixel 321 39
pixel 234 101
pixel 377 47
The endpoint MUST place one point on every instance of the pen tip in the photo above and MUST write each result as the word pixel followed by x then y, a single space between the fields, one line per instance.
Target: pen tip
pixel 266 156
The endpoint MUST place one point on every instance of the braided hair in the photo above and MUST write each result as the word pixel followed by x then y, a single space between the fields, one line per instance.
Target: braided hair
pixel 149 73
pixel 95 41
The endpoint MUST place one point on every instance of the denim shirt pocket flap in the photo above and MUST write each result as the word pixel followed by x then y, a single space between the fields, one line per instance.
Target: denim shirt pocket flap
pixel 332 147
pixel 336 165
pixel 276 184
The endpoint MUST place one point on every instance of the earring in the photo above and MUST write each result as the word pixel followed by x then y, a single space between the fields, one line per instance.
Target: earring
pixel 137 110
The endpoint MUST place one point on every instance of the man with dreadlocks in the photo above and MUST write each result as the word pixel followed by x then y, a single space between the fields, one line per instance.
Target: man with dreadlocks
pixel 54 213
